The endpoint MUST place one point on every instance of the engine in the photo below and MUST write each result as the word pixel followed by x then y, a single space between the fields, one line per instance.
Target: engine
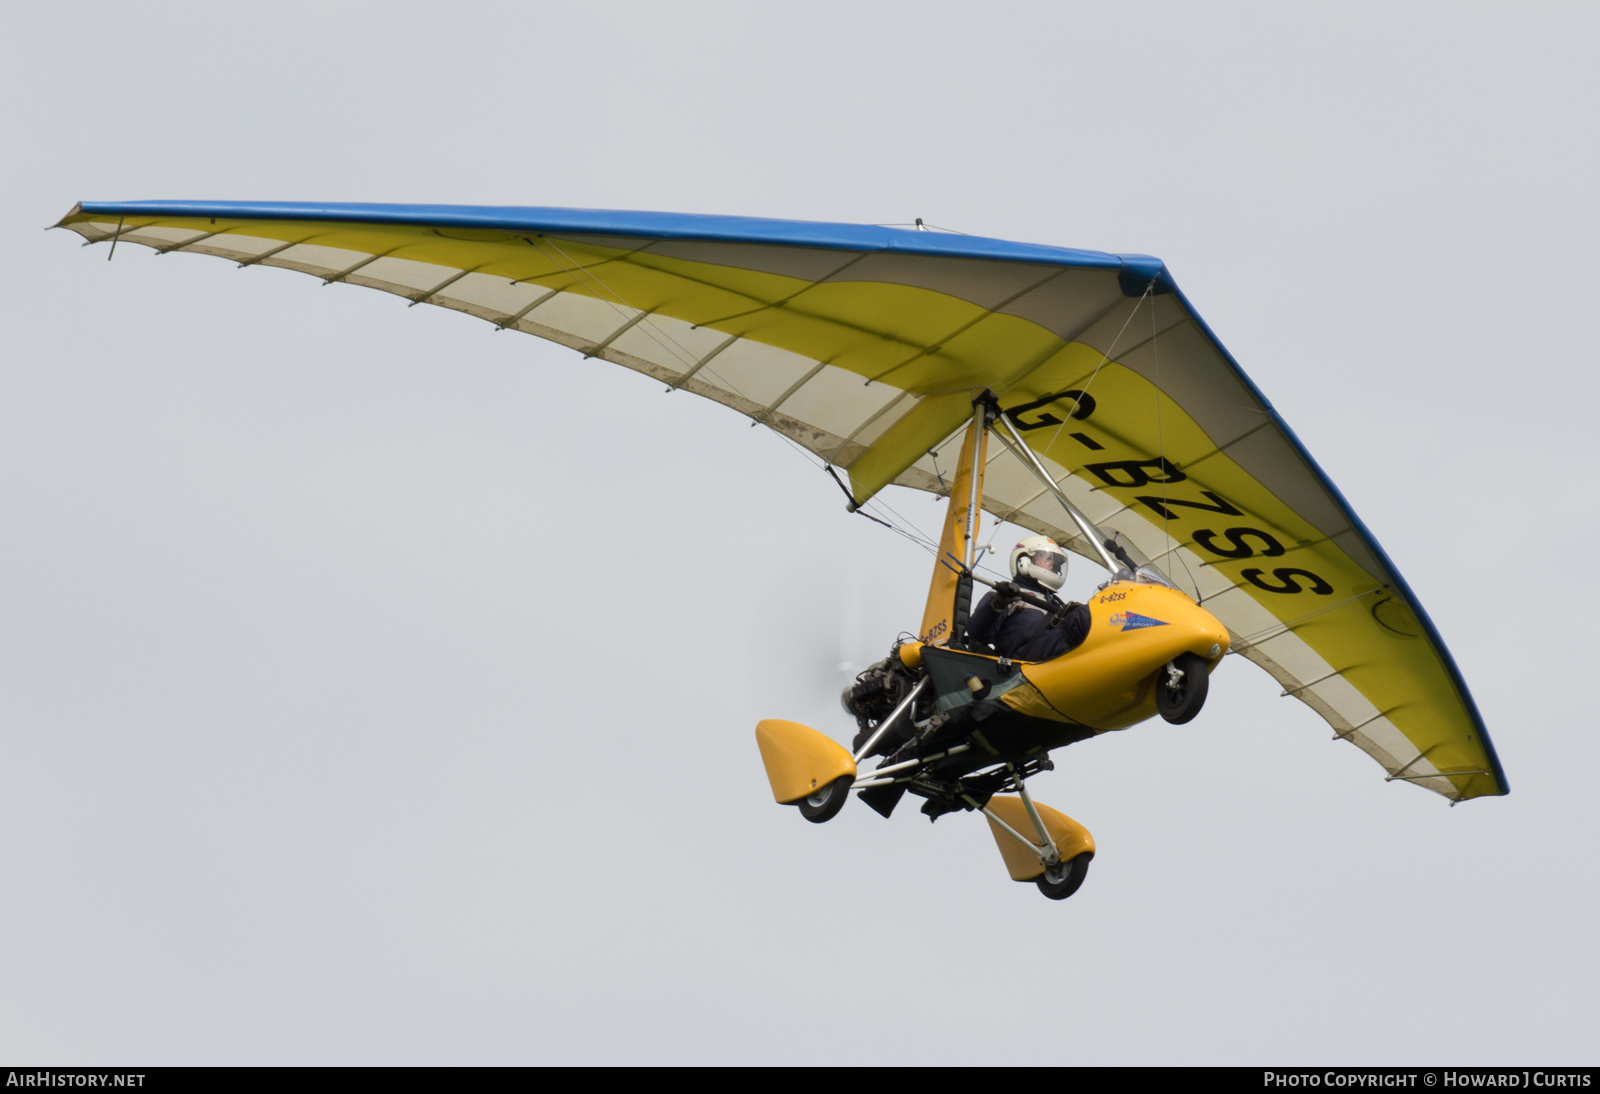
pixel 873 697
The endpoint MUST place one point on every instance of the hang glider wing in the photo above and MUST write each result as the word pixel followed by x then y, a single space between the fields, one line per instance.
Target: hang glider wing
pixel 866 345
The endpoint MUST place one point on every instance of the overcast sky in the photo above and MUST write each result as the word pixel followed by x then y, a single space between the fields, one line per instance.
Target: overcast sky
pixel 375 688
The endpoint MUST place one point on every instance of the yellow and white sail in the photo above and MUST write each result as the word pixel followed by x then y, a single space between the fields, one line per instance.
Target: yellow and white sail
pixel 866 346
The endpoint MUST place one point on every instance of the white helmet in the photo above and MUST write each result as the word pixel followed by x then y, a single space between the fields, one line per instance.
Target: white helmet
pixel 1042 559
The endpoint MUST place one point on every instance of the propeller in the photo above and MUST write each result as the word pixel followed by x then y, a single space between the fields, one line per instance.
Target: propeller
pixel 815 627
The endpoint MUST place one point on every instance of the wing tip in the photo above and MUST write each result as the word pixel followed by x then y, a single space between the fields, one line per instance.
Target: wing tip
pixel 76 210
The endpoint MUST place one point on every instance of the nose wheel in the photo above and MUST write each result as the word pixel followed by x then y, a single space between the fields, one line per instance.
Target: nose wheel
pixel 1181 686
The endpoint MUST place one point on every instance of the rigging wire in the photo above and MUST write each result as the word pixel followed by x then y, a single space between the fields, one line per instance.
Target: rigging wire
pixel 1161 451
pixel 1104 357
pixel 1161 437
pixel 884 507
pixel 895 521
pixel 660 336
pixel 922 226
pixel 652 330
pixel 579 272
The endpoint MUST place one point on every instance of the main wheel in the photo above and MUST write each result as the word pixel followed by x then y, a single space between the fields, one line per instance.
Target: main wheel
pixel 1181 688
pixel 1064 878
pixel 825 804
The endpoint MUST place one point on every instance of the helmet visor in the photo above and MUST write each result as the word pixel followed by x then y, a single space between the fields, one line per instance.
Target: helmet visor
pixel 1054 561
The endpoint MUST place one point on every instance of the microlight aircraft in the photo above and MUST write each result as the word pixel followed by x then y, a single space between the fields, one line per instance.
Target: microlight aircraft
pixel 1089 402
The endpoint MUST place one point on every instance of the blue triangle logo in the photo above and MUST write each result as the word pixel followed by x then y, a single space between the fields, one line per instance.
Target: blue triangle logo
pixel 1132 621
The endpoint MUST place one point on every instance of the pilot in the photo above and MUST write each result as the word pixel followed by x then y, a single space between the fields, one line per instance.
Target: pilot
pixel 1032 627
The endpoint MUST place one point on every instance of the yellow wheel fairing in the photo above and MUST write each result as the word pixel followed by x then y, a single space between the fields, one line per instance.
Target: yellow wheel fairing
pixel 799 760
pixel 866 347
pixel 1070 837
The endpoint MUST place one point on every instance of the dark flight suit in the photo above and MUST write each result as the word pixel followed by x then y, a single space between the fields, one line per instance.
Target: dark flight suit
pixel 1018 628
